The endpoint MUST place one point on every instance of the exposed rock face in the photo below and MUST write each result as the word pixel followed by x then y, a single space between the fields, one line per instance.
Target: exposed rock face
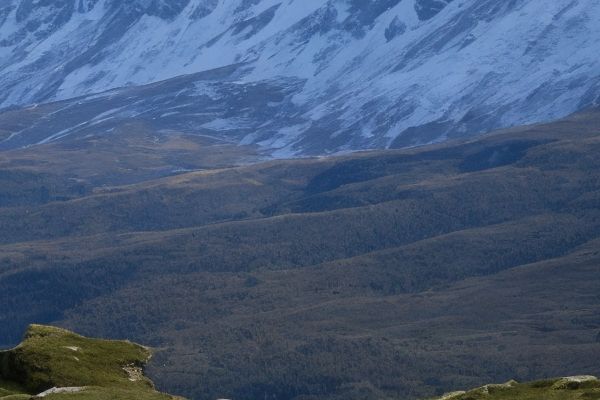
pixel 427 9
pixel 396 27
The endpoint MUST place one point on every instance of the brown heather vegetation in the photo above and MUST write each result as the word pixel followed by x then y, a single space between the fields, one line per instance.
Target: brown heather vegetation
pixel 386 274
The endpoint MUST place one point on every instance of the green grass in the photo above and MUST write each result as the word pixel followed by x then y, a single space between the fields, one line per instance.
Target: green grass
pixel 552 389
pixel 51 357
pixel 9 388
pixel 102 393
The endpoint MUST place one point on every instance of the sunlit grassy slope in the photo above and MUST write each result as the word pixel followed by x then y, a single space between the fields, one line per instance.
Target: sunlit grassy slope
pixel 571 388
pixel 91 369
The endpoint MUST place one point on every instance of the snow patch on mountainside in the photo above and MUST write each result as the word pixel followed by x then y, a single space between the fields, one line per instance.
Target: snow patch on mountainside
pixel 375 73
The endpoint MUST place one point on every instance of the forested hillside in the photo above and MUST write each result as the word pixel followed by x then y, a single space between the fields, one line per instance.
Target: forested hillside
pixel 388 274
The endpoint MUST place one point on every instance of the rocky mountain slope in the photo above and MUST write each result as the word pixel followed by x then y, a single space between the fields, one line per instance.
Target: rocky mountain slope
pixel 311 77
pixel 57 364
pixel 385 274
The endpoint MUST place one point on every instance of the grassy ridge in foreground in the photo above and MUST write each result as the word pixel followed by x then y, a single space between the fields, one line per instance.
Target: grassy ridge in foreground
pixel 74 367
pixel 571 388
pixel 91 369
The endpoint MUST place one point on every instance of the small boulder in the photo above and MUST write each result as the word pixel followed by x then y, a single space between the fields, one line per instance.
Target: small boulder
pixel 452 395
pixel 56 390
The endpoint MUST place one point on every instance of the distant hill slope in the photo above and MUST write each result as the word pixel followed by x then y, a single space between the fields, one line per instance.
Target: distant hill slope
pixel 384 274
pixel 56 364
pixel 331 76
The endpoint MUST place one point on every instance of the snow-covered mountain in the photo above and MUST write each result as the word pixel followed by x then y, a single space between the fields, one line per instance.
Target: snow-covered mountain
pixel 303 76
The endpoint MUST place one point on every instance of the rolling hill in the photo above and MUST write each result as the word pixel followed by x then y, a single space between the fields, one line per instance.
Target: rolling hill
pixel 389 274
